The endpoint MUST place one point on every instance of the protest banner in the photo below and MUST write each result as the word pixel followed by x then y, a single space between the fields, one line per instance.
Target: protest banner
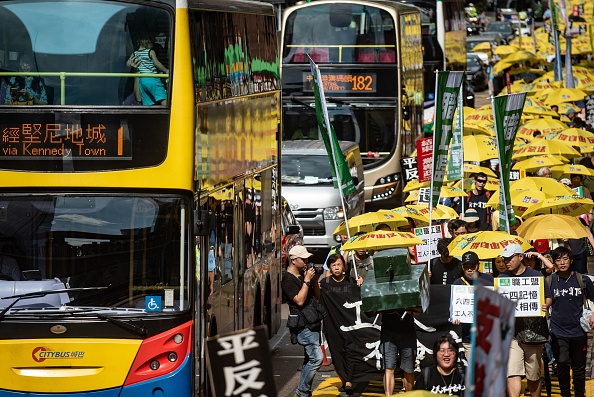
pixel 429 235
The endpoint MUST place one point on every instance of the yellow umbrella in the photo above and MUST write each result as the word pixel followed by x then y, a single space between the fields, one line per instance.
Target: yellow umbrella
pixel 552 226
pixel 549 186
pixel 569 169
pixel 450 191
pixel 523 56
pixel 565 205
pixel 475 169
pixel 409 212
pixel 533 102
pixel 542 125
pixel 479 115
pixel 486 244
pixel 564 107
pixel 481 47
pixel 539 86
pixel 535 163
pixel 504 50
pixel 382 240
pixel 521 200
pixel 542 146
pixel 560 95
pixel 415 185
pixel 573 137
pixel 500 67
pixel 479 148
pixel 539 110
pixel 439 212
pixel 369 221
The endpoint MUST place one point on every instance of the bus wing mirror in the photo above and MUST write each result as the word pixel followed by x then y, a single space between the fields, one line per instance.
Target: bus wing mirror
pixel 200 223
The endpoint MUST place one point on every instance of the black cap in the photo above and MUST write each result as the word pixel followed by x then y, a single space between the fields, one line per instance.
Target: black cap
pixel 470 258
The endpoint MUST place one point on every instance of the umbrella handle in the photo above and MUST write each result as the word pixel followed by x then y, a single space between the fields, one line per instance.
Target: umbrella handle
pixel 390 273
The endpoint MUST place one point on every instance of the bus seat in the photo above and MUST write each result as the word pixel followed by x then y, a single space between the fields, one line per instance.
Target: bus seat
pixel 299 56
pixel 320 55
pixel 387 55
pixel 365 55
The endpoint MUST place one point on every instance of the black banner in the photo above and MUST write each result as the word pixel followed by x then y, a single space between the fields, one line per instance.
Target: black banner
pixel 353 337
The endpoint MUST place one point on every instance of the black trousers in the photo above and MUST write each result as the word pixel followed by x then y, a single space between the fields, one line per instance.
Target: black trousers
pixel 570 354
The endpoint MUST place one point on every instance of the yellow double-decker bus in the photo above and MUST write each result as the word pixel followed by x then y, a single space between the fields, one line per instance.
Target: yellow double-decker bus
pixel 371 60
pixel 139 198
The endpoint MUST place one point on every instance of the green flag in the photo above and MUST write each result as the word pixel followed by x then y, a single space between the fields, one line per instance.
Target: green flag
pixel 456 162
pixel 337 161
pixel 447 89
pixel 507 111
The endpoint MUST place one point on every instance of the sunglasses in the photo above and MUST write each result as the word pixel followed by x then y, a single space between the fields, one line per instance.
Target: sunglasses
pixel 480 180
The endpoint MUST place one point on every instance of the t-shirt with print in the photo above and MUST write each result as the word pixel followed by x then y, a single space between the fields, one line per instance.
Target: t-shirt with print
pixel 529 272
pixel 568 304
pixel 445 273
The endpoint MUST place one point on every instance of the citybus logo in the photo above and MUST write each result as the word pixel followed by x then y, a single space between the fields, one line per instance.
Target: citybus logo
pixel 40 354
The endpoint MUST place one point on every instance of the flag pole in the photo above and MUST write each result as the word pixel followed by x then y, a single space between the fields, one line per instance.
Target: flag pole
pixel 318 78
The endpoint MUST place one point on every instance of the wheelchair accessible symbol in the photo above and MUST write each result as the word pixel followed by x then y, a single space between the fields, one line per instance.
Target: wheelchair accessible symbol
pixel 152 304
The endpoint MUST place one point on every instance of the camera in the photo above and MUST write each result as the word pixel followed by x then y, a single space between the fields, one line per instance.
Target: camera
pixel 318 268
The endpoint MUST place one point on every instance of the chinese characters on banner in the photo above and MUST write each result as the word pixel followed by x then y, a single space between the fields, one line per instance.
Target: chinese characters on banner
pixel 527 292
pixel 410 171
pixel 424 153
pixel 429 237
pixel 495 329
pixel 424 195
pixel 462 303
pixel 239 364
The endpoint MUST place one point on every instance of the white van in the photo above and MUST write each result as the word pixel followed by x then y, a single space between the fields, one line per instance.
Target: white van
pixel 307 186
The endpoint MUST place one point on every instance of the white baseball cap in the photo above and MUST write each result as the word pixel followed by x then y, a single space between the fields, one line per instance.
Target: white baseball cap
pixel 511 250
pixel 299 251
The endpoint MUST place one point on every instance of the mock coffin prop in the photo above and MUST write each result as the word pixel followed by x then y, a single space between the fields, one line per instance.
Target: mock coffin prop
pixel 394 283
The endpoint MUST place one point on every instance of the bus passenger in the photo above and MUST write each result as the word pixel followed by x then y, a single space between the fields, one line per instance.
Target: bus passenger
pixel 25 90
pixel 145 59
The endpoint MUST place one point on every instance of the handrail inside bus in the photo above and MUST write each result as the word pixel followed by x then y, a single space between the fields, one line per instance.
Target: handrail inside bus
pixel 63 76
pixel 341 46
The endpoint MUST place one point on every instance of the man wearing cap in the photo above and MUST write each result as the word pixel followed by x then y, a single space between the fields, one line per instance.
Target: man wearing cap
pixel 525 359
pixel 565 294
pixel 298 285
pixel 470 267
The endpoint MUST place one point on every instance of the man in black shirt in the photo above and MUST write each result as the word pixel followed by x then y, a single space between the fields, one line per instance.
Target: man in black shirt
pixel 445 269
pixel 298 285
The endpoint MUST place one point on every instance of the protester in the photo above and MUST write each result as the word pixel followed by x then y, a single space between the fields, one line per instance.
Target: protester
pixel 457 227
pixel 477 199
pixel 299 286
pixel 470 267
pixel 445 269
pixel 543 247
pixel 337 249
pixel 444 377
pixel 544 172
pixel 525 357
pixel 471 217
pixel 398 338
pixel 363 263
pixel 565 296
pixel 338 275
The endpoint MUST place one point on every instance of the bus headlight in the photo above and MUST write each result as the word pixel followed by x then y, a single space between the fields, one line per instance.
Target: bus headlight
pixel 172 357
pixel 333 213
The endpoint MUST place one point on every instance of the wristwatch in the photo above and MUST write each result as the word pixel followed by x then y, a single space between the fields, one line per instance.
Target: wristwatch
pixel 308 283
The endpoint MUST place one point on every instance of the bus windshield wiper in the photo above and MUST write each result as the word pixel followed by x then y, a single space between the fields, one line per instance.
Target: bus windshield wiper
pixel 139 330
pixel 299 101
pixel 41 294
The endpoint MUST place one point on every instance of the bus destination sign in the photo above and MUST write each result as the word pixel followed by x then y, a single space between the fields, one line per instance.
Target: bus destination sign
pixel 344 82
pixel 52 141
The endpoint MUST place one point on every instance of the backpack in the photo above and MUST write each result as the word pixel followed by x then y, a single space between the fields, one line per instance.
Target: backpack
pixel 580 280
